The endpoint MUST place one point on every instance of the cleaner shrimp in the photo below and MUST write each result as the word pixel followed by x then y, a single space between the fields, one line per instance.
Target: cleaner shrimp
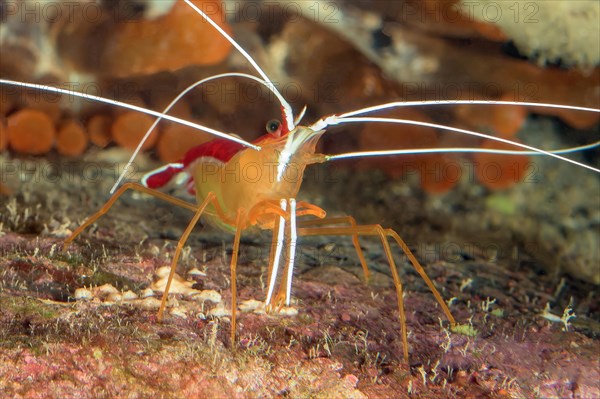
pixel 270 200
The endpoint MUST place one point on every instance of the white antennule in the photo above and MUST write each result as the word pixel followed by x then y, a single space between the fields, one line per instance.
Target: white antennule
pixel 382 153
pixel 336 120
pixel 287 109
pixel 399 104
pixel 179 97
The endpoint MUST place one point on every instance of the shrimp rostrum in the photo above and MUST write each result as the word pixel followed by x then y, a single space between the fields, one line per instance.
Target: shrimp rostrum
pixel 265 195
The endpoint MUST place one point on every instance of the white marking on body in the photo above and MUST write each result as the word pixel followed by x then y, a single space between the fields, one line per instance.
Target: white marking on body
pixel 412 151
pixel 144 179
pixel 278 249
pixel 292 250
pixel 296 139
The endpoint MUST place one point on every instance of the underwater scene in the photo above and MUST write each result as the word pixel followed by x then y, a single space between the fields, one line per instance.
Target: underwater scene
pixel 304 199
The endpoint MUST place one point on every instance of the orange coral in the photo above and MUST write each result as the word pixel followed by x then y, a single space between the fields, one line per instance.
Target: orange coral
pixel 439 174
pixel 473 116
pixel 98 127
pixel 30 132
pixel 499 171
pixel 490 31
pixel 386 136
pixel 71 139
pixel 576 119
pixel 129 128
pixel 506 120
pixel 170 42
pixel 177 139
pixel 437 171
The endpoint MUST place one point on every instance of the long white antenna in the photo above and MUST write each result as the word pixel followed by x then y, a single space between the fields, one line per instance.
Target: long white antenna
pixel 287 109
pixel 131 107
pixel 399 104
pixel 412 151
pixel 335 120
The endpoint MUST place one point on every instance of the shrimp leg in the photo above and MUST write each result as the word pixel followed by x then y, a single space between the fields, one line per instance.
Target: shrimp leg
pixel 384 234
pixel 233 268
pixel 199 210
pixel 127 186
pixel 349 220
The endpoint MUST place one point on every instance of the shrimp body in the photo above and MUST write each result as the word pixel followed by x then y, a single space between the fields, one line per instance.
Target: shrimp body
pixel 244 178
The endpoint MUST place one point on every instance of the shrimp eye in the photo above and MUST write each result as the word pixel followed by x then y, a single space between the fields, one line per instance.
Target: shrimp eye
pixel 273 126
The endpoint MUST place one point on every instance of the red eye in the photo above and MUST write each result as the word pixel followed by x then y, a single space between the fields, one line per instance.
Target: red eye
pixel 273 126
